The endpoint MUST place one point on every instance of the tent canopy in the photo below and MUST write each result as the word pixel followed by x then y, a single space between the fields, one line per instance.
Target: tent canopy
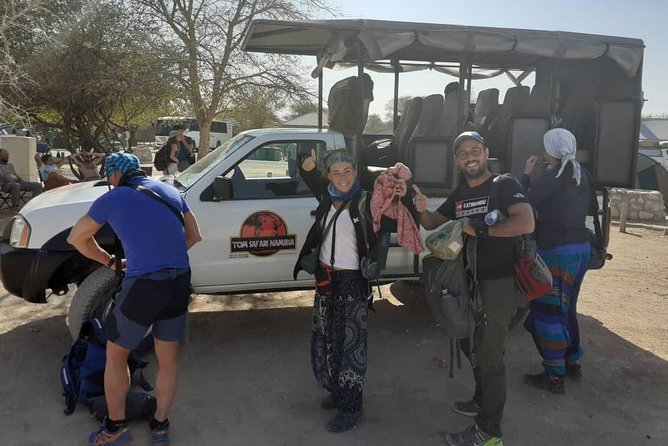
pixel 335 42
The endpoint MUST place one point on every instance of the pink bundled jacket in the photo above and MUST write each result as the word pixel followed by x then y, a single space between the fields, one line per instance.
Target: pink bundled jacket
pixel 408 233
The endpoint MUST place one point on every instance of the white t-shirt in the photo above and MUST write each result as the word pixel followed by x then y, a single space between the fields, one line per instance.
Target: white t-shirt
pixel 345 251
pixel 47 170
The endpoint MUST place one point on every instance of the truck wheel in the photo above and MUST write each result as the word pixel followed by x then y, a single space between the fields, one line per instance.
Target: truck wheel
pixel 91 298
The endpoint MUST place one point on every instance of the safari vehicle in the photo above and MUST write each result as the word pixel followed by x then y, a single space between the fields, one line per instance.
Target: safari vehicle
pixel 253 208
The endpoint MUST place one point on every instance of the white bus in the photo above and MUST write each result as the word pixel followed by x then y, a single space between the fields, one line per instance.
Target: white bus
pixel 221 131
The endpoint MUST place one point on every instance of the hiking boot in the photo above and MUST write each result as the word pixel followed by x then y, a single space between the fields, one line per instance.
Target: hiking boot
pixel 328 403
pixel 103 437
pixel 574 370
pixel 160 436
pixel 545 381
pixel 467 408
pixel 472 436
pixel 344 421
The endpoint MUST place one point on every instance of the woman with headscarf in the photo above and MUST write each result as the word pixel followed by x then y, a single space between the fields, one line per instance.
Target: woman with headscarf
pixel 341 245
pixel 562 200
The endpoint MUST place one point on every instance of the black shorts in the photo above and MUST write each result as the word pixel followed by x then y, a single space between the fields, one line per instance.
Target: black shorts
pixel 158 299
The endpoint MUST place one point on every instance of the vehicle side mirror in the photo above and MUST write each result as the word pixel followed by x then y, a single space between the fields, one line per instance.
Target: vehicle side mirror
pixel 222 189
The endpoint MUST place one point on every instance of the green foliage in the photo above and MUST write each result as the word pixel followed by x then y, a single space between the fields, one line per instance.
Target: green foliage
pixel 98 76
pixel 375 124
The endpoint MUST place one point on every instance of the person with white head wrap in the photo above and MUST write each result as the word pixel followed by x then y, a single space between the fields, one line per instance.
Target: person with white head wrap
pixel 562 200
pixel 561 144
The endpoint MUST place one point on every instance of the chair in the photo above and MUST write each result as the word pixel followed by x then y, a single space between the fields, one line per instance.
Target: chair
pixel 5 198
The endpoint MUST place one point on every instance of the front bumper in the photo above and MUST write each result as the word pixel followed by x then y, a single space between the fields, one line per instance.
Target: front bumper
pixel 28 273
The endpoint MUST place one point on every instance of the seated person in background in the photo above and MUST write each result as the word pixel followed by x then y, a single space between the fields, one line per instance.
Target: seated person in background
pixel 49 169
pixel 12 183
pixel 87 163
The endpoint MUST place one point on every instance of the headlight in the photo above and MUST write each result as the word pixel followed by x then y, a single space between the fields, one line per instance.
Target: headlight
pixel 20 233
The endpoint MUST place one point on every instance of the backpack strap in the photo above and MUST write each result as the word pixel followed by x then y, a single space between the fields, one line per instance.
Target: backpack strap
pixel 594 208
pixel 361 207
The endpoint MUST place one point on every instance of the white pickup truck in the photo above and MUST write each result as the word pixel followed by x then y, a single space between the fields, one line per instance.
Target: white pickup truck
pixel 253 209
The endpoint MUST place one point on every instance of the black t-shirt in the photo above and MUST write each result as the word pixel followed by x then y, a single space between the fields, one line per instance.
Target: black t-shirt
pixel 495 254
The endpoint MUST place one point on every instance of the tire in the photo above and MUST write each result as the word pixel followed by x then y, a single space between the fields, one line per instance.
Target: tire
pixel 91 298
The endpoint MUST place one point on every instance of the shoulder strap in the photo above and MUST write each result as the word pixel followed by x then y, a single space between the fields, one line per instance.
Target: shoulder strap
pixel 157 197
pixel 361 207
pixel 595 209
pixel 331 225
pixel 494 190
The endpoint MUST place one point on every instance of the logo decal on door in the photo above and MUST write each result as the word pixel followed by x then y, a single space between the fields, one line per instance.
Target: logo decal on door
pixel 262 234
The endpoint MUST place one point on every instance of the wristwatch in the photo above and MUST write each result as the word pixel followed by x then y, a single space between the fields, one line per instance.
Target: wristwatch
pixel 111 261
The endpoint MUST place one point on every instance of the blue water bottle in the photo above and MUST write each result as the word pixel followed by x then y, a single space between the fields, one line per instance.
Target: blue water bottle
pixel 493 217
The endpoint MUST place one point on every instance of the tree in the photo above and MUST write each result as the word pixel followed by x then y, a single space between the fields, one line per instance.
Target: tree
pixel 213 71
pixel 255 110
pixel 374 124
pixel 302 108
pixel 100 75
pixel 16 18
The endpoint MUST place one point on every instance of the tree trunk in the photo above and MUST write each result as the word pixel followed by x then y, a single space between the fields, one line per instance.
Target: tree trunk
pixel 204 135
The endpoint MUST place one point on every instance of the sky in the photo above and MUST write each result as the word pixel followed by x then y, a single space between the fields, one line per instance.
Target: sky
pixel 642 19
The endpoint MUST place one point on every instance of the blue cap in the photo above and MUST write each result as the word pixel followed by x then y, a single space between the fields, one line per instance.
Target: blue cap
pixel 467 135
pixel 120 162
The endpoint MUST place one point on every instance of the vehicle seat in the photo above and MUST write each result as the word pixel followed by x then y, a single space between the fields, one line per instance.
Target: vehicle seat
pixel 486 108
pixel 540 99
pixel 431 111
pixel 515 101
pixel 409 120
pixel 450 119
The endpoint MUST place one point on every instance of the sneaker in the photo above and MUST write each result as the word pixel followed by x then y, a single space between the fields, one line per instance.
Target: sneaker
pixel 574 370
pixel 160 436
pixel 467 408
pixel 545 381
pixel 328 403
pixel 122 437
pixel 344 421
pixel 472 436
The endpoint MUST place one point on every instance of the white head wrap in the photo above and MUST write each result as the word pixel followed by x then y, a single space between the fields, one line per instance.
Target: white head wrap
pixel 561 144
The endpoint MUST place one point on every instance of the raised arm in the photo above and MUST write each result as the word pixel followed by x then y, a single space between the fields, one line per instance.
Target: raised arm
pixel 312 177
pixel 71 159
pixel 428 219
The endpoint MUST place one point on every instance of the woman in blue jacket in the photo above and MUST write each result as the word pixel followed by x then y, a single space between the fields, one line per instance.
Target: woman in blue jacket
pixel 562 200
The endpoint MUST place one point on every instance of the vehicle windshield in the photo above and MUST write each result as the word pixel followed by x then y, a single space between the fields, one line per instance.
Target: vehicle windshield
pixel 196 171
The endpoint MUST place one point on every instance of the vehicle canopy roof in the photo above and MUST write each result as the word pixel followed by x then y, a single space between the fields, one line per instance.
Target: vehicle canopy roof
pixel 335 42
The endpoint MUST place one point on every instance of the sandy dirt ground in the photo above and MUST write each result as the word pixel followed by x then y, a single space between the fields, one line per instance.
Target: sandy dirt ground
pixel 246 376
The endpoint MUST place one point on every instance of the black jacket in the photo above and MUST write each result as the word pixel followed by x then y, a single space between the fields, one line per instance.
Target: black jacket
pixel 318 186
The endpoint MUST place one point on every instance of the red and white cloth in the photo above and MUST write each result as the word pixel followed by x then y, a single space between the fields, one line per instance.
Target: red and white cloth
pixel 382 203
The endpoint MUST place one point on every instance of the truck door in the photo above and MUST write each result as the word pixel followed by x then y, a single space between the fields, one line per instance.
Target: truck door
pixel 263 226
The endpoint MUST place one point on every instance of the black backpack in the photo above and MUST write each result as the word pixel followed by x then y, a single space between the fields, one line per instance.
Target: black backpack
pixel 162 160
